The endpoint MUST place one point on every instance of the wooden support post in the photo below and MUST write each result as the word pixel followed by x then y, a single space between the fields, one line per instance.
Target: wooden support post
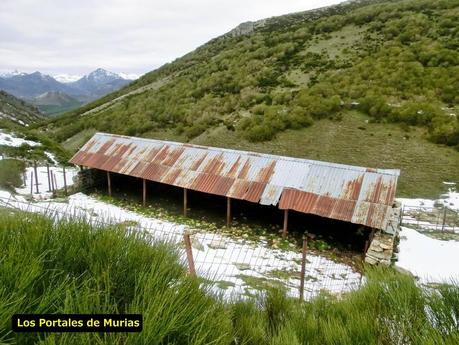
pixel 185 200
pixel 144 194
pixel 365 248
pixel 228 212
pixel 31 183
pixel 65 180
pixel 303 267
pixel 36 176
pixel 49 179
pixel 109 184
pixel 285 228
pixel 189 253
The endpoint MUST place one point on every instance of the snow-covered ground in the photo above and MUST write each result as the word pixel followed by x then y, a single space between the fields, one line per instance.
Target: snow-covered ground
pixel 432 260
pixel 433 215
pixel 9 139
pixel 44 190
pixel 237 265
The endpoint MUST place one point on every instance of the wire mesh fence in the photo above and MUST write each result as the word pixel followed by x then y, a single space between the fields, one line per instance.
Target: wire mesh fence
pixel 430 218
pixel 236 265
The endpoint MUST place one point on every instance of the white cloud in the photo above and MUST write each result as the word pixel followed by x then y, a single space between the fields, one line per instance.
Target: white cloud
pixel 131 36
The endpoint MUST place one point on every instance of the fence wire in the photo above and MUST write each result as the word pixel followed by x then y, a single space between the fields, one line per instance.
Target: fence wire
pixel 431 218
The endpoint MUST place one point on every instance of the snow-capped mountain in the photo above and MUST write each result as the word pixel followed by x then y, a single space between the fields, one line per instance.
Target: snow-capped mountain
pixel 85 89
pixel 98 83
pixel 11 74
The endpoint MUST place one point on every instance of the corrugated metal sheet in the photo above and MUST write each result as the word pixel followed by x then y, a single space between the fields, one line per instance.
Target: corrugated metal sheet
pixel 349 193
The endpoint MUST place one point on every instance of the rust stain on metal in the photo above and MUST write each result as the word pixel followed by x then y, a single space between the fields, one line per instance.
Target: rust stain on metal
pixel 352 188
pixel 266 172
pixel 353 194
pixel 196 164
pixel 245 170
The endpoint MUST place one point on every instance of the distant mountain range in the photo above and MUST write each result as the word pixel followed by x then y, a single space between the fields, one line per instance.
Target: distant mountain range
pixel 63 92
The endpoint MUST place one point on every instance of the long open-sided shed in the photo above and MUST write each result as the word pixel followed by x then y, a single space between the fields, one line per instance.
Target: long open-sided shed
pixel 348 193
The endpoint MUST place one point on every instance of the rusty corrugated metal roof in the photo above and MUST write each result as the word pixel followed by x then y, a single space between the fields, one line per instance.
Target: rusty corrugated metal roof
pixel 349 193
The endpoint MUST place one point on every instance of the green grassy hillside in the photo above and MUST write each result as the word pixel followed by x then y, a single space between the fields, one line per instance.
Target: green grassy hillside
pixel 17 113
pixel 368 83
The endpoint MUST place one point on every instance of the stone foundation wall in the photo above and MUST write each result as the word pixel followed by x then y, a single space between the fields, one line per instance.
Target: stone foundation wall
pixel 89 178
pixel 380 250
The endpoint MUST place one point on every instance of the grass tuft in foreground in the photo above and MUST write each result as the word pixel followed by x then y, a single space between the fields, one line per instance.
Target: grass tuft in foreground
pixel 71 267
pixel 49 266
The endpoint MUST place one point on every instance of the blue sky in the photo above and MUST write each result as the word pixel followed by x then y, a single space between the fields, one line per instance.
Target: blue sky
pixel 130 36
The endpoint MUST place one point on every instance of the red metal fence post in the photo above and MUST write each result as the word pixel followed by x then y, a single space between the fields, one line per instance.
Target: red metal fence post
pixel 189 254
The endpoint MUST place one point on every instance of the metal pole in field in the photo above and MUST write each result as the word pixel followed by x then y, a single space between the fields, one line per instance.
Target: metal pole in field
pixel 228 212
pixel 52 181
pixel 303 267
pixel 144 194
pixel 189 254
pixel 36 176
pixel 49 179
pixel 24 177
pixel 31 183
pixel 444 220
pixel 185 200
pixel 285 228
pixel 65 180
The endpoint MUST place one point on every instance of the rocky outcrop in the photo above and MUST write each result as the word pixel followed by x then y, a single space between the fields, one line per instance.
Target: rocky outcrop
pixel 246 28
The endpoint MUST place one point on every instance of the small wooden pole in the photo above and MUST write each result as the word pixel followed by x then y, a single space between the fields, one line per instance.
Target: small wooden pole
pixel 49 179
pixel 285 229
pixel 144 195
pixel 65 180
pixel 228 212
pixel 31 183
pixel 185 200
pixel 303 267
pixel 36 176
pixel 444 220
pixel 52 180
pixel 189 254
pixel 55 182
pixel 109 184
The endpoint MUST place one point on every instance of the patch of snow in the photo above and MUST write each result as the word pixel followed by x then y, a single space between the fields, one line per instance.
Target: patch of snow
pixel 12 140
pixel 449 199
pixel 51 157
pixel 432 260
